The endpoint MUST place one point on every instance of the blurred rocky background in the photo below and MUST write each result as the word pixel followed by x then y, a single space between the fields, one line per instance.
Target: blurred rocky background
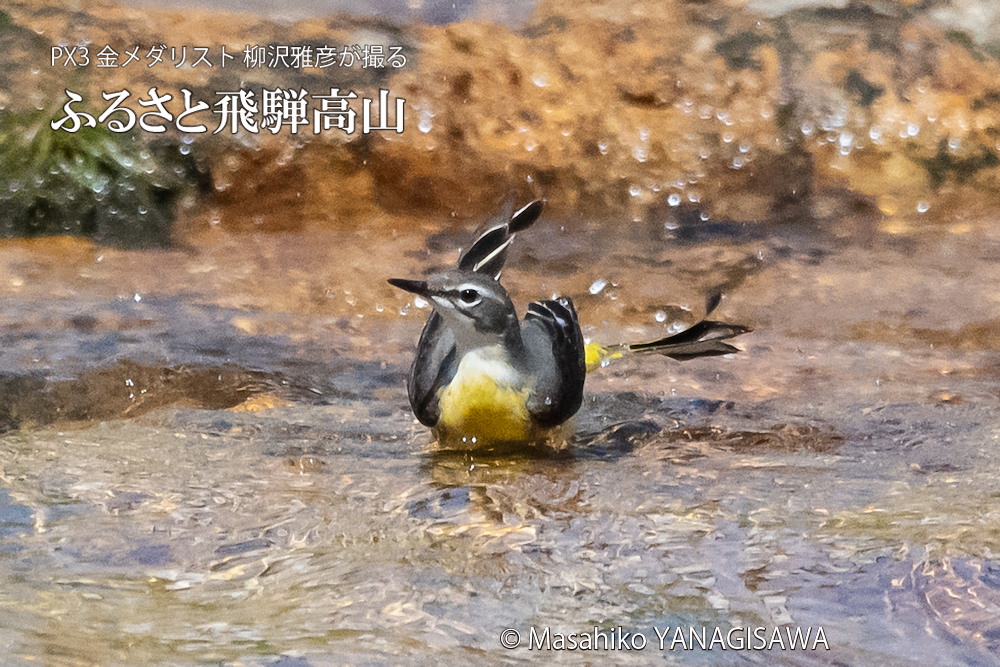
pixel 860 116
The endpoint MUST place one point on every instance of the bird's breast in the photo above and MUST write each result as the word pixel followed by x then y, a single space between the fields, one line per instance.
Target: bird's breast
pixel 486 402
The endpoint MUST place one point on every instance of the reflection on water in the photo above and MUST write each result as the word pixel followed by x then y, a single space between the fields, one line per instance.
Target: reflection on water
pixel 273 502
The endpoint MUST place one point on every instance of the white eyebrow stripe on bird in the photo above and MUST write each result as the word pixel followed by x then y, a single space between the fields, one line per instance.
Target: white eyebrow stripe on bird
pixel 478 289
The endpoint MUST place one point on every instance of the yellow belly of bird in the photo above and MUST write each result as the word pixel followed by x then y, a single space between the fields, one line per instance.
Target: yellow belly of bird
pixel 483 405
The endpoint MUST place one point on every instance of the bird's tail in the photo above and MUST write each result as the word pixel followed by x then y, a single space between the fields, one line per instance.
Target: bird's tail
pixel 704 339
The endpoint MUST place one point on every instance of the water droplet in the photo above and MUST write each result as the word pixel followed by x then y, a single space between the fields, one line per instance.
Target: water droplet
pixel 728 137
pixel 142 210
pixel 674 199
pixel 635 191
pixel 954 143
pixel 912 130
pixel 875 133
pixel 379 308
pixel 846 141
pixel 425 123
pixel 14 186
pixel 676 327
pixel 643 134
pixel 808 128
pixel 185 149
pixel 603 147
pixel 548 400
pixel 639 153
pixel 137 298
pixel 923 207
pixel 419 303
pixel 598 285
pixel 660 316
pixel 540 80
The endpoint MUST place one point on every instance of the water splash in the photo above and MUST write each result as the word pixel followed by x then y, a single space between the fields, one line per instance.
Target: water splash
pixel 598 285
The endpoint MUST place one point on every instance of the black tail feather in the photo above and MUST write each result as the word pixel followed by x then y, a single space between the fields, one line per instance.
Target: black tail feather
pixel 704 339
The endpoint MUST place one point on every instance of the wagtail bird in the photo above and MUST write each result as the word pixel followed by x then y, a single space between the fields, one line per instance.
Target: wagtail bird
pixel 483 378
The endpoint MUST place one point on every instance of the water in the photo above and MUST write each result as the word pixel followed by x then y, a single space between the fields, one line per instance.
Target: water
pixel 227 471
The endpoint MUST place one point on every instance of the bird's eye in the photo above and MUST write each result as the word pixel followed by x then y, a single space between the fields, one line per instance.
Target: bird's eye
pixel 468 296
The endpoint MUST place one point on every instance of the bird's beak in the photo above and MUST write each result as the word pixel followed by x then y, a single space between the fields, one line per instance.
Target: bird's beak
pixel 418 287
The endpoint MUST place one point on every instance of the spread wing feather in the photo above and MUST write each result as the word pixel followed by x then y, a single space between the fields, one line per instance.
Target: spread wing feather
pixel 554 344
pixel 489 252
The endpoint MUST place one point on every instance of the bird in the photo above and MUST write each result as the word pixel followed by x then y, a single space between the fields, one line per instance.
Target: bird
pixel 482 378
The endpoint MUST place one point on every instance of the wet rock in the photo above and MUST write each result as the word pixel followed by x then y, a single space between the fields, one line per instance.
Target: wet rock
pixel 275 186
pixel 593 105
pixel 896 108
pixel 747 117
pixel 241 182
pixel 775 118
pixel 124 389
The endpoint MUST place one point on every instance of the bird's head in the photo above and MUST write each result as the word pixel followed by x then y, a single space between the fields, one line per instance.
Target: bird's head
pixel 471 303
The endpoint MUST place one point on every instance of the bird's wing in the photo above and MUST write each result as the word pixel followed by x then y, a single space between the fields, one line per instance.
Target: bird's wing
pixel 554 345
pixel 434 367
pixel 489 252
